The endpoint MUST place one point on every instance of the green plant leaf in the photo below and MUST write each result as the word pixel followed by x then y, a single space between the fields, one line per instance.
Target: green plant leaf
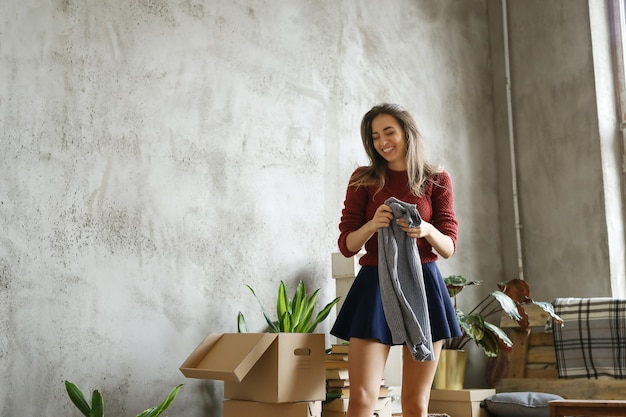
pixel 97 405
pixel 158 410
pixel 285 323
pixel 147 413
pixel 78 398
pixel 308 312
pixel 489 344
pixel 241 323
pixel 499 334
pixel 508 305
pixel 273 326
pixel 456 283
pixel 321 316
pixel 297 305
pixel 282 304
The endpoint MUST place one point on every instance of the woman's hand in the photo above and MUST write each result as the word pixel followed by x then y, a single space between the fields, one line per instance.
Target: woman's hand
pixel 423 230
pixel 382 218
pixel 441 243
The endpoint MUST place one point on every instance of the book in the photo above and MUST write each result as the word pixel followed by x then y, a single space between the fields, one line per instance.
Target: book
pixel 339 348
pixel 336 365
pixel 337 383
pixel 337 357
pixel 340 373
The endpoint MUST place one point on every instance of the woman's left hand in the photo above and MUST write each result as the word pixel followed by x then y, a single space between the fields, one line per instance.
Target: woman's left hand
pixel 423 230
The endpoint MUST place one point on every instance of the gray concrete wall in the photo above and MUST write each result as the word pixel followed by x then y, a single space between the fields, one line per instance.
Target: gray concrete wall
pixel 567 148
pixel 158 156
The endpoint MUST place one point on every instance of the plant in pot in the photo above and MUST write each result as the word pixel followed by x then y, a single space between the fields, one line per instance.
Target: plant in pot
pixel 293 316
pixel 511 298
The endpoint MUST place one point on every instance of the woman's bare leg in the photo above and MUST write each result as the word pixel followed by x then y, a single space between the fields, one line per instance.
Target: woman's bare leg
pixel 366 365
pixel 417 380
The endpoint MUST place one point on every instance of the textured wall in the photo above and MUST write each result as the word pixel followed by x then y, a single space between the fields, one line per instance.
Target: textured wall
pixel 564 200
pixel 158 155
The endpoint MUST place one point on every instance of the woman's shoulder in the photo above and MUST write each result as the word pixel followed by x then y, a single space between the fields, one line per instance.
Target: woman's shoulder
pixel 442 176
pixel 362 175
pixel 438 182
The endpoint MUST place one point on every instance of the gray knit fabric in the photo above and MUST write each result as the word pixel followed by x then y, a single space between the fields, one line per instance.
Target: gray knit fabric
pixel 402 283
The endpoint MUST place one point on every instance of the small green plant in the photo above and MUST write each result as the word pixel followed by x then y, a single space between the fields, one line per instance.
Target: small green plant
pixel 96 409
pixel 295 315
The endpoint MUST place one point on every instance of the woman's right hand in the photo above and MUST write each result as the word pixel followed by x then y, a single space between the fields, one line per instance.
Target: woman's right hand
pixel 382 218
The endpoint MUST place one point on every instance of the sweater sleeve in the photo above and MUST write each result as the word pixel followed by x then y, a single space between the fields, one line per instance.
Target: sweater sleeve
pixel 444 216
pixel 353 215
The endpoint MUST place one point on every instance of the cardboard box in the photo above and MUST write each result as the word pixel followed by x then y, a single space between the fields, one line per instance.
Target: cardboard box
pixel 236 408
pixel 265 367
pixel 459 403
pixel 339 408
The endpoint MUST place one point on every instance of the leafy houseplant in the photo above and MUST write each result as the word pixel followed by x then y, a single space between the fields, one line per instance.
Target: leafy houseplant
pixel 96 409
pixel 511 298
pixel 293 316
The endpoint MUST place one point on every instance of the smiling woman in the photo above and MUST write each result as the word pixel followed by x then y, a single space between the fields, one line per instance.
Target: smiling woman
pixel 398 178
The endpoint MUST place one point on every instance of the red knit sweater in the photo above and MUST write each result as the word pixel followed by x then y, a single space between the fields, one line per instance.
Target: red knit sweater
pixel 436 206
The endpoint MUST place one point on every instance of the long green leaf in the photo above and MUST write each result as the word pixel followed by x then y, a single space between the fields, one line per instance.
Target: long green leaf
pixel 241 323
pixel 308 313
pixel 298 296
pixel 158 410
pixel 297 305
pixel 97 405
pixel 273 327
pixel 321 316
pixel 282 303
pixel 285 323
pixel 78 398
pixel 147 413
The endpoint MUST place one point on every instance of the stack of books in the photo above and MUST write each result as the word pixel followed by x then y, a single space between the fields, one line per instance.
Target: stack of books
pixel 338 386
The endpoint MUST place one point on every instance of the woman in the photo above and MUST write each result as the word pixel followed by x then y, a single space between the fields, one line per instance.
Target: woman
pixel 397 169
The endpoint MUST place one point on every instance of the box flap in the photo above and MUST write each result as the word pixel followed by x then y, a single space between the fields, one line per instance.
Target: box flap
pixel 227 357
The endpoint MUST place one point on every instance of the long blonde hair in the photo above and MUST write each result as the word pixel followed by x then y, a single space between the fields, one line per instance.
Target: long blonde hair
pixel 418 169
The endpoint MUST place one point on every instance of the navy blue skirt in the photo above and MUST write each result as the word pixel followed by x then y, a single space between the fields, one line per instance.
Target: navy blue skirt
pixel 362 314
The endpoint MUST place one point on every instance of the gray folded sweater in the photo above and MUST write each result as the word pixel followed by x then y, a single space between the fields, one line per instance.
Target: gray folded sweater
pixel 402 283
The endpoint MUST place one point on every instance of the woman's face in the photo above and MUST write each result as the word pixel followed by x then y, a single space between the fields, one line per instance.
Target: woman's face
pixel 390 141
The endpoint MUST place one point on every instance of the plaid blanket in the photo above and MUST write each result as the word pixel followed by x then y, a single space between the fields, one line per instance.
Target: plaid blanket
pixel 592 342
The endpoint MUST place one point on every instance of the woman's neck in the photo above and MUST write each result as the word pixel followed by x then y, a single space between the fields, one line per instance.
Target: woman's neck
pixel 397 166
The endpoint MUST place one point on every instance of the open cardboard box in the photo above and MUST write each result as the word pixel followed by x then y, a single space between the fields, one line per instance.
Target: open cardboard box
pixel 236 408
pixel 264 367
pixel 459 403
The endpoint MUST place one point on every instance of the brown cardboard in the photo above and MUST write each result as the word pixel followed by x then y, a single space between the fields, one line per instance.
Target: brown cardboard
pixel 459 403
pixel 339 407
pixel 237 408
pixel 264 367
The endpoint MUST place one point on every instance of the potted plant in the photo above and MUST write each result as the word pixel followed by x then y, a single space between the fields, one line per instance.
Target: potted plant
pixel 293 316
pixel 511 298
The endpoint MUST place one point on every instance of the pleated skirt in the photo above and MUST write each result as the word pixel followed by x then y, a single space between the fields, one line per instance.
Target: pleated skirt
pixel 362 315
